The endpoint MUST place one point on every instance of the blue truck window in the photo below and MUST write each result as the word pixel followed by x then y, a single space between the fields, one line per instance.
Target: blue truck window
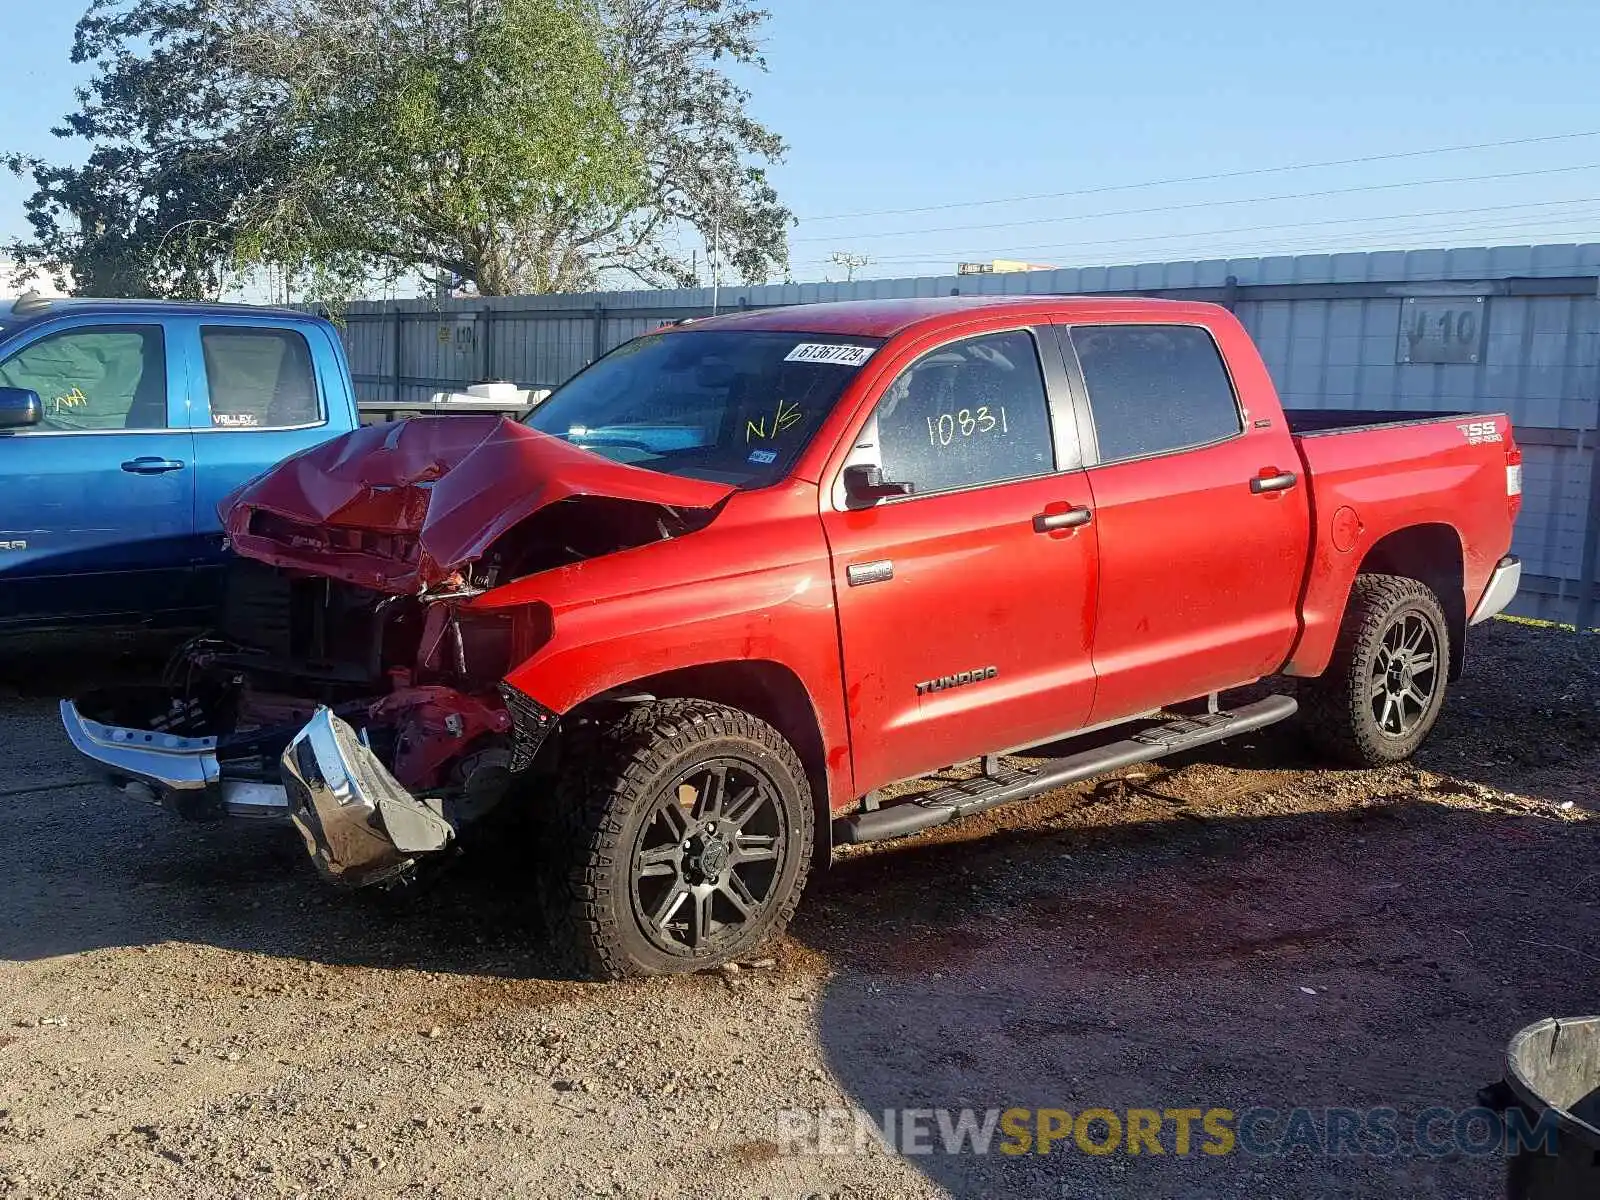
pixel 95 378
pixel 259 378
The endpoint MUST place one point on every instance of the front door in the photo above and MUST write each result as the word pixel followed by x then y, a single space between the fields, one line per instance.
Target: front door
pixel 97 500
pixel 965 608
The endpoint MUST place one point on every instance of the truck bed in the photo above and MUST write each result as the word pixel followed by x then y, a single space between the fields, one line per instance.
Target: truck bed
pixel 1310 422
pixel 1452 478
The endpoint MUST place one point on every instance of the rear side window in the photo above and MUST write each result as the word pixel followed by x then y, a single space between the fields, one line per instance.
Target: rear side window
pixel 259 378
pixel 1155 388
pixel 967 414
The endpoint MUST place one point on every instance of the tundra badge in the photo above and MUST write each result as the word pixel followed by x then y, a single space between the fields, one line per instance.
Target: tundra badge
pixel 961 679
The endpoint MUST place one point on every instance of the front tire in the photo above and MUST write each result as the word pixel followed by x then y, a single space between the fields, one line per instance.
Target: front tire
pixel 685 833
pixel 1382 693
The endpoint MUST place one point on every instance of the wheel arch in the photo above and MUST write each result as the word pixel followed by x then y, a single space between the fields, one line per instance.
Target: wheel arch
pixel 1432 554
pixel 761 687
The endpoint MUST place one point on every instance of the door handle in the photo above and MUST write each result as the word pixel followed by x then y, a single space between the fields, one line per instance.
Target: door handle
pixel 151 466
pixel 1054 522
pixel 1280 482
pixel 861 574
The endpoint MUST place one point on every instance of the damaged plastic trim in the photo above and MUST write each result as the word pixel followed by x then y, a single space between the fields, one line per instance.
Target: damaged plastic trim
pixel 359 825
pixel 532 725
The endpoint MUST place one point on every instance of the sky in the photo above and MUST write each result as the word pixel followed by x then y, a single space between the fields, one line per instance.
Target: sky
pixel 958 108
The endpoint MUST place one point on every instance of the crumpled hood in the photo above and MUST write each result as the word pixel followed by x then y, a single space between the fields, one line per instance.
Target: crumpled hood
pixel 402 506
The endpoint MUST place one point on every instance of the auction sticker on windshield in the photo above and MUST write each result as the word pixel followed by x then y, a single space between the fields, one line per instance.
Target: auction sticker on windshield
pixel 825 352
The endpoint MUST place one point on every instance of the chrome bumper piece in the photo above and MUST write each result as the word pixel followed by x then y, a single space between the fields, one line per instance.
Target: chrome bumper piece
pixel 165 768
pixel 1502 589
pixel 359 824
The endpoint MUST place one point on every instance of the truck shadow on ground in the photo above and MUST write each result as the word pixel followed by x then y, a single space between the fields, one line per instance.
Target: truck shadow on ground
pixel 1375 957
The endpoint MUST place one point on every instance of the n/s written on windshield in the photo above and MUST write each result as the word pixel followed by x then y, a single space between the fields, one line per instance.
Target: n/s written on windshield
pixel 786 416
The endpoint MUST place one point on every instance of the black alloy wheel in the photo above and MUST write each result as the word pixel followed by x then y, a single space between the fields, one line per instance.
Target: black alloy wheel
pixel 705 863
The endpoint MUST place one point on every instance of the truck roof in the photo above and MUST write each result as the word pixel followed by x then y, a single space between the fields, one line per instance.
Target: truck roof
pixel 887 318
pixel 17 313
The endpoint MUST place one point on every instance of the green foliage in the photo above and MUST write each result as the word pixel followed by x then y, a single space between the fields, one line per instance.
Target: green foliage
pixel 520 145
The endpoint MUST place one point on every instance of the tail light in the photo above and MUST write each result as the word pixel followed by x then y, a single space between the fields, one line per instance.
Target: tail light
pixel 1513 477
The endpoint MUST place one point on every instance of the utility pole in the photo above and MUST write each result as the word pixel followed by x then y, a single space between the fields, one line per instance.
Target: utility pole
pixel 850 262
pixel 716 256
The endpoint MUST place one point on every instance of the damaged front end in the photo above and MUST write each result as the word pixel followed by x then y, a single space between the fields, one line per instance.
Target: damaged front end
pixel 371 784
pixel 351 686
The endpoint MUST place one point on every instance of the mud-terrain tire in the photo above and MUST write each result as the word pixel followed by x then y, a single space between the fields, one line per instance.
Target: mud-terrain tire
pixel 1382 692
pixel 667 821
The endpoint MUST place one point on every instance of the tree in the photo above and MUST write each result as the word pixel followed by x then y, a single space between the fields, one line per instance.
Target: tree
pixel 151 210
pixel 515 145
pixel 705 155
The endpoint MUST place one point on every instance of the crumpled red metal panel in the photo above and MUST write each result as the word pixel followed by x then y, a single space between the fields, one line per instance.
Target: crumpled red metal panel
pixel 450 484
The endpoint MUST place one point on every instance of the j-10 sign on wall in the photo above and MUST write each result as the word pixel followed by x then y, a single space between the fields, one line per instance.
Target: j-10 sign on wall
pixel 1441 329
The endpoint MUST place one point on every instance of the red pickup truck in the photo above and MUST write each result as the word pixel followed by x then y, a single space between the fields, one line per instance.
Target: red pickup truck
pixel 700 610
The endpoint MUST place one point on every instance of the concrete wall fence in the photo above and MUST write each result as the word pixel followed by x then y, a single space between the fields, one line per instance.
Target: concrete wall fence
pixel 1514 328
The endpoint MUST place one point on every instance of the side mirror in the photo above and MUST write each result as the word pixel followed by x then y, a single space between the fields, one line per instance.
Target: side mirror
pixel 19 407
pixel 866 482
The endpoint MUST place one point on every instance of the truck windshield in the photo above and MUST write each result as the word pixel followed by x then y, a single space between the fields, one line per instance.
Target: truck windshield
pixel 728 406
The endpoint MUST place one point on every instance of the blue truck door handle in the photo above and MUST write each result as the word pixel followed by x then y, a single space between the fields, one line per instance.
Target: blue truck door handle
pixel 151 466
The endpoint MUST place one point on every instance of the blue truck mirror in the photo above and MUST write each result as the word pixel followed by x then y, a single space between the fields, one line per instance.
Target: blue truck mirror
pixel 19 407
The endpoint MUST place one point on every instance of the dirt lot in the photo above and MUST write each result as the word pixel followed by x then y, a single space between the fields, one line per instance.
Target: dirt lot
pixel 187 1011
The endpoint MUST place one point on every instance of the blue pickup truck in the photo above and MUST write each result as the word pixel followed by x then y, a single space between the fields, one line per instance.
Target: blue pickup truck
pixel 122 424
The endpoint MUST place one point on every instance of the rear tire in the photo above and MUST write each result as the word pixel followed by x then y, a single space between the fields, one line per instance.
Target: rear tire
pixel 684 834
pixel 1382 693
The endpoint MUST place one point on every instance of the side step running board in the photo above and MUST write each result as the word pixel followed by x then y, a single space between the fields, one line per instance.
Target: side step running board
pixel 1009 784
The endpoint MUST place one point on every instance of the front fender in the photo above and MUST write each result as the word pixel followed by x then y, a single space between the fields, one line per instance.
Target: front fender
pixel 756 585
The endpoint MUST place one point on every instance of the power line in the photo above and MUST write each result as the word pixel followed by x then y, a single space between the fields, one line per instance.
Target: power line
pixel 1212 178
pixel 1312 245
pixel 1257 247
pixel 1008 249
pixel 1165 208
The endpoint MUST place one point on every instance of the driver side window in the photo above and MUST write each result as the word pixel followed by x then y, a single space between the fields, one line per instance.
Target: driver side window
pixel 970 413
pixel 95 378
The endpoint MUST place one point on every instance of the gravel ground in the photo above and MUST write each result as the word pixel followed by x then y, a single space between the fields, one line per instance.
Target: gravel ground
pixel 186 1011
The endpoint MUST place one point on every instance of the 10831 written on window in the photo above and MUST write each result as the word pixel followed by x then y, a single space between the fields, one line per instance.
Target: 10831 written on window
pixel 969 422
pixel 967 414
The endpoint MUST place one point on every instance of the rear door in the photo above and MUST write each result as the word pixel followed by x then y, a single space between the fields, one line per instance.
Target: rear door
pixel 259 393
pixel 965 607
pixel 1203 521
pixel 97 500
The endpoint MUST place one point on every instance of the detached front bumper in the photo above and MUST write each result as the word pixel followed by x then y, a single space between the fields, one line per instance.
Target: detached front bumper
pixel 181 773
pixel 359 824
